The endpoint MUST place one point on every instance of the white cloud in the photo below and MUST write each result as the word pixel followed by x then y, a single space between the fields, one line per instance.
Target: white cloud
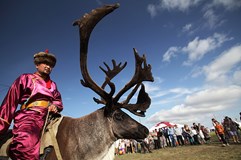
pixel 197 48
pixel 154 89
pixel 237 77
pixel 196 71
pixel 213 97
pixel 152 9
pixel 180 114
pixel 222 66
pixel 187 27
pixel 170 53
pixel 199 106
pixel 180 91
pixel 150 87
pixel 181 5
pixel 209 8
pixel 171 95
pixel 227 4
pixel 212 19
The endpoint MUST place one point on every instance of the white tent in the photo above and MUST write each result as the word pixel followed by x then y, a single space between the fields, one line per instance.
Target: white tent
pixel 164 124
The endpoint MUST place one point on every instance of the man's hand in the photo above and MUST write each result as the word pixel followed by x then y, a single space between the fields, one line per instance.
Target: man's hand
pixel 53 108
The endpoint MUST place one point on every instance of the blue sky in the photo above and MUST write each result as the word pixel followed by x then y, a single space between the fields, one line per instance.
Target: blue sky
pixel 194 47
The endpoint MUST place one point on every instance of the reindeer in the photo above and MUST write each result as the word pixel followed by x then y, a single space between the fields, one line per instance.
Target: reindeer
pixel 91 136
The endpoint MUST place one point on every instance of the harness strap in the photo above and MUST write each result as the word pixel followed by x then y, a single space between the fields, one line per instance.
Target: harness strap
pixel 45 123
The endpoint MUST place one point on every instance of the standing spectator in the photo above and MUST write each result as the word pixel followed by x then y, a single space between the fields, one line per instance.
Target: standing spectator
pixel 134 146
pixel 187 133
pixel 240 116
pixel 155 138
pixel 162 139
pixel 227 134
pixel 185 136
pixel 159 134
pixel 196 127
pixel 178 134
pixel 165 132
pixel 201 134
pixel 231 127
pixel 206 134
pixel 122 147
pixel 214 124
pixel 151 142
pixel 171 136
pixel 238 130
pixel 117 144
pixel 220 130
pixel 128 146
pixel 145 147
pixel 194 134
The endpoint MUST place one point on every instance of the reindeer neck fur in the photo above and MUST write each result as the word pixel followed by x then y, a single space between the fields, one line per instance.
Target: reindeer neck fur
pixel 95 137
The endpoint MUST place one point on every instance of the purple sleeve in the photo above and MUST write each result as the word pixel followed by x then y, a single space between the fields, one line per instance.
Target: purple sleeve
pixel 10 104
pixel 57 99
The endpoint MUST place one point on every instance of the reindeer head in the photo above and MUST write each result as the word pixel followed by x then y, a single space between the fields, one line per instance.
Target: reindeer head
pixel 111 100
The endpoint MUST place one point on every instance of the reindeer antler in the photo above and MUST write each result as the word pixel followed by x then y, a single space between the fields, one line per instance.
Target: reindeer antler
pixel 110 73
pixel 142 73
pixel 86 25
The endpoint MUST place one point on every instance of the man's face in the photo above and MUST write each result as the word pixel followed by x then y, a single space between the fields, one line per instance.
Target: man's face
pixel 43 68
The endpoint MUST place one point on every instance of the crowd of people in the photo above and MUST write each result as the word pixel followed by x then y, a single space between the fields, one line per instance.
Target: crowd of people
pixel 227 130
pixel 173 136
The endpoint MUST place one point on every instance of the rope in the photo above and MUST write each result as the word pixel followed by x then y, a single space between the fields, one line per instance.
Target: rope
pixel 45 124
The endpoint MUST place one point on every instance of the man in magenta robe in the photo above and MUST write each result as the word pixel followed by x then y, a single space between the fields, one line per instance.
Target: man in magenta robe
pixel 37 94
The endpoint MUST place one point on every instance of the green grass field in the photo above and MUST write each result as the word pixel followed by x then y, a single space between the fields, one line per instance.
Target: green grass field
pixel 210 151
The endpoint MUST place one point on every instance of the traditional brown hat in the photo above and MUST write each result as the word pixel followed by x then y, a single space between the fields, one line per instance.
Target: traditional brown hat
pixel 44 57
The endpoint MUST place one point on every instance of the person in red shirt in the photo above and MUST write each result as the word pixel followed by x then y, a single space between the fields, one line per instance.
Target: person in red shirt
pixel 220 130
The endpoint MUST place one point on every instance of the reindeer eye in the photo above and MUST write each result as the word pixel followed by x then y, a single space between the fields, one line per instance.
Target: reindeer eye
pixel 119 116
